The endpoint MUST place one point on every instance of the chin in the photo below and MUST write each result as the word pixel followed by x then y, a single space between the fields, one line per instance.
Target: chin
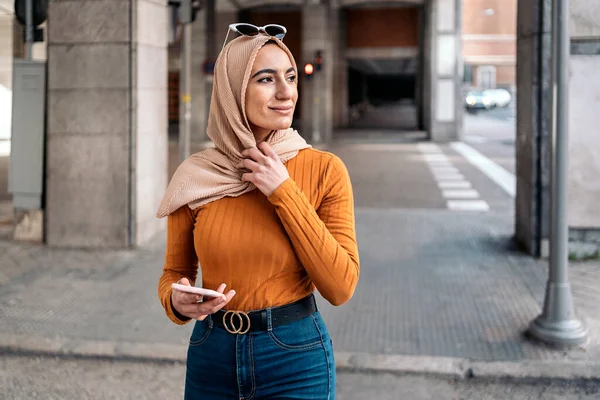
pixel 282 124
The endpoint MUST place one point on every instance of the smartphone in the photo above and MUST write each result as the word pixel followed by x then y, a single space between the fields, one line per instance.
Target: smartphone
pixel 197 290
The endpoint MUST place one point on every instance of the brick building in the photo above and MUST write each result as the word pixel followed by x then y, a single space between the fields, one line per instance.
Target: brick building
pixel 490 42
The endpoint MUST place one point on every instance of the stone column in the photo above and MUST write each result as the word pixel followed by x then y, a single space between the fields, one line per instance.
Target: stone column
pixel 584 130
pixel 534 128
pixel 340 68
pixel 443 104
pixel 317 92
pixel 107 122
pixel 534 125
pixel 6 50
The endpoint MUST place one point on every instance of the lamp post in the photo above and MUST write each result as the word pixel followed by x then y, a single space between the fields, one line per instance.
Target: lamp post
pixel 187 10
pixel 312 72
pixel 557 325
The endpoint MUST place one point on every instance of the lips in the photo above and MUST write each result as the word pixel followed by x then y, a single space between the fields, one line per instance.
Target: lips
pixel 283 109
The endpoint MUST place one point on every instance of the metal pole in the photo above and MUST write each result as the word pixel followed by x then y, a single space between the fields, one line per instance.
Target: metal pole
pixel 316 120
pixel 29 28
pixel 185 105
pixel 211 55
pixel 557 325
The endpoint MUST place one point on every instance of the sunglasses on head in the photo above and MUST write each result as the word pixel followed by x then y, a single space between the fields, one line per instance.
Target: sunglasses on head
pixel 273 30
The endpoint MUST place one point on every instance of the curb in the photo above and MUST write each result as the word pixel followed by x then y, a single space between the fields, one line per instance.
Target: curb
pixel 461 368
pixel 441 367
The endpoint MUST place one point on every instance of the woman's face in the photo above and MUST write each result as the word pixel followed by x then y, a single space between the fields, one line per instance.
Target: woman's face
pixel 272 92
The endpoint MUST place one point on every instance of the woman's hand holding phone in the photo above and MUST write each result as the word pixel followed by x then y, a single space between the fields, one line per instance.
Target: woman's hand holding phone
pixel 192 305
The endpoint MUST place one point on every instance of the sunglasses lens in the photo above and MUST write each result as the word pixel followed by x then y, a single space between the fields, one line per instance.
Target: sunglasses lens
pixel 247 29
pixel 275 31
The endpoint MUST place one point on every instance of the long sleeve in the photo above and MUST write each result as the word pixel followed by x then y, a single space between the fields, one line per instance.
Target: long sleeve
pixel 180 259
pixel 324 239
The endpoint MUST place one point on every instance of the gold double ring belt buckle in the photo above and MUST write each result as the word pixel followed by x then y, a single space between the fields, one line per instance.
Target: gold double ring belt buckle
pixel 233 321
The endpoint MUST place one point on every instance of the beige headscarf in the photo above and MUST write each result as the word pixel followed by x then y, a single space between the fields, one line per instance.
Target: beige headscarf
pixel 211 174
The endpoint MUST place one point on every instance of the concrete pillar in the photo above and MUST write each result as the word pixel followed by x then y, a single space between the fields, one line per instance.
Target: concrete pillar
pixel 534 128
pixel 6 49
pixel 107 122
pixel 534 125
pixel 340 66
pixel 584 129
pixel 317 93
pixel 443 58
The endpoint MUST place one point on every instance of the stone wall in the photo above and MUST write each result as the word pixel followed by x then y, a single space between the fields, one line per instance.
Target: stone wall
pixel 107 121
pixel 584 129
pixel 534 128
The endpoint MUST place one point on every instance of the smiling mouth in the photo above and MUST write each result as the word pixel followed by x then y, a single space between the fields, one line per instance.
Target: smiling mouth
pixel 282 110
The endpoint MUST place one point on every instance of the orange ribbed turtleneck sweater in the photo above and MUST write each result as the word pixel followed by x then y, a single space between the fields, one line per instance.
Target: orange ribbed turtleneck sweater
pixel 271 251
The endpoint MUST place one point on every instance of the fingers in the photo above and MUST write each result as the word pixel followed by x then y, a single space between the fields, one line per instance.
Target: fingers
pixel 228 298
pixel 248 164
pixel 267 150
pixel 255 154
pixel 202 310
pixel 184 297
pixel 184 281
pixel 188 303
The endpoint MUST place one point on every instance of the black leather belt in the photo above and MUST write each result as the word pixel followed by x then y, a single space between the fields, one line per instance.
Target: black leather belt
pixel 241 322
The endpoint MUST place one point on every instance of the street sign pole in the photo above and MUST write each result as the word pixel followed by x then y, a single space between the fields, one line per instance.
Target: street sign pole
pixel 185 105
pixel 185 87
pixel 557 325
pixel 29 28
pixel 316 104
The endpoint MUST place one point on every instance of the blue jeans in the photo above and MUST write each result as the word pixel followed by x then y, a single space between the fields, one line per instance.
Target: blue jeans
pixel 291 361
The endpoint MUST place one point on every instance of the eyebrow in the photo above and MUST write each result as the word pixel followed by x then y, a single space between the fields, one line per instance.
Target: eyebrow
pixel 271 71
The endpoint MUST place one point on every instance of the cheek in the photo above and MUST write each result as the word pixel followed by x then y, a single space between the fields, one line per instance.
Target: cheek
pixel 255 106
pixel 255 100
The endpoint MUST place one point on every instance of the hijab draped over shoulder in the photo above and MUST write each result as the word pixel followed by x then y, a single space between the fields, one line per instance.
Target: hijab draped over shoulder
pixel 211 174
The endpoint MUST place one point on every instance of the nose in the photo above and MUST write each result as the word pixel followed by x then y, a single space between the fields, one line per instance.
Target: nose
pixel 284 90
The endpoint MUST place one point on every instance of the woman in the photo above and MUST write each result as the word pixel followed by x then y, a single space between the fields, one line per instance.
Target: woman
pixel 269 217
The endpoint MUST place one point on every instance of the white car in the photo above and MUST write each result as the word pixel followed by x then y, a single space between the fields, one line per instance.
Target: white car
pixel 5 112
pixel 499 97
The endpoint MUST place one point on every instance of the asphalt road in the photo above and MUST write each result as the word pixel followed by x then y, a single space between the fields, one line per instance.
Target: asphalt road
pixel 82 379
pixel 493 134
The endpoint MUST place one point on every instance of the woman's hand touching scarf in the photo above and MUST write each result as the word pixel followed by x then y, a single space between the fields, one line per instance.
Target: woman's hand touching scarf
pixel 266 171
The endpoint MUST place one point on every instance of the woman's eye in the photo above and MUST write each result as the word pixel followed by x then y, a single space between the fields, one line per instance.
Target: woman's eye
pixel 265 79
pixel 292 78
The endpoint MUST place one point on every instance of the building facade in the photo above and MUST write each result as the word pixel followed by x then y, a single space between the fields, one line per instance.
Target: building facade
pixel 490 43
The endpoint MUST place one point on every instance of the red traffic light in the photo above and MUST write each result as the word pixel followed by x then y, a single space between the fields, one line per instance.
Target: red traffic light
pixel 309 69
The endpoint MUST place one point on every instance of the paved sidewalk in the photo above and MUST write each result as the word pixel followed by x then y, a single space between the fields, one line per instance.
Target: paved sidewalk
pixel 440 292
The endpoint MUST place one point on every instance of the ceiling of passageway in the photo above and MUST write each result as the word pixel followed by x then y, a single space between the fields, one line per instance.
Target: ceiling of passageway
pixel 233 5
pixel 367 64
pixel 384 67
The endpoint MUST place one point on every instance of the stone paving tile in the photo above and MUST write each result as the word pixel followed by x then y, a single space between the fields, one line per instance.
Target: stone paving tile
pixel 432 283
pixel 443 284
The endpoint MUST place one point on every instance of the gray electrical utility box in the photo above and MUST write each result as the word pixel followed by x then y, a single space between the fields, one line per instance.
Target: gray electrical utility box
pixel 26 174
